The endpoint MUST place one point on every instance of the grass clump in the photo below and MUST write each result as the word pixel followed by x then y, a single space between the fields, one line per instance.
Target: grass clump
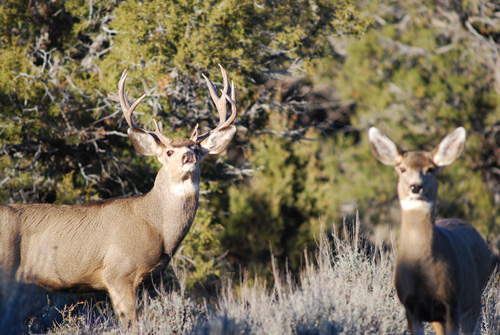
pixel 348 289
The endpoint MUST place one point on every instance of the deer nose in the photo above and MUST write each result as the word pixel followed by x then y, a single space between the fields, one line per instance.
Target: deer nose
pixel 188 157
pixel 416 189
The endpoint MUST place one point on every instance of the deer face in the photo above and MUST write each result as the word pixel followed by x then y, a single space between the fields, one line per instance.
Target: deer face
pixel 182 157
pixel 417 183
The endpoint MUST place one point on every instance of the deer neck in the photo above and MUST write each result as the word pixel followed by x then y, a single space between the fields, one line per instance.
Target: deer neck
pixel 417 229
pixel 171 205
pixel 169 184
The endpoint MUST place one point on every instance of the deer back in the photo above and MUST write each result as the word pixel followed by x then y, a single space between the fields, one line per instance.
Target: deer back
pixel 470 248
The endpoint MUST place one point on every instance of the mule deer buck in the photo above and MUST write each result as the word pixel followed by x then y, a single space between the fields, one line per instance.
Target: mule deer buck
pixel 111 245
pixel 442 267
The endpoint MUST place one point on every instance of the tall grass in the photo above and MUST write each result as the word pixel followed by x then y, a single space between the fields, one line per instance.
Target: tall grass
pixel 347 289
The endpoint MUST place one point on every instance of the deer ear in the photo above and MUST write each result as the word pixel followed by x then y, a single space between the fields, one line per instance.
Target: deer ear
pixel 450 148
pixel 383 148
pixel 144 142
pixel 218 140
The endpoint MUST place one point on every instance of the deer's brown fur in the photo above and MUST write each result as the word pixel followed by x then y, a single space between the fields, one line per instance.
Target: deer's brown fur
pixel 112 245
pixel 442 266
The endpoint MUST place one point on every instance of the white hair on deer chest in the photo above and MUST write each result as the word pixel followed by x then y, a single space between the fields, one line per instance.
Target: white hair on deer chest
pixel 186 187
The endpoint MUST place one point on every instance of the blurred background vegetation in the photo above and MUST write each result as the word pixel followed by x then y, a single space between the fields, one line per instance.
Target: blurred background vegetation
pixel 312 76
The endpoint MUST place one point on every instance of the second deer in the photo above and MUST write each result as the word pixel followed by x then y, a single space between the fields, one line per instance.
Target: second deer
pixel 111 245
pixel 442 266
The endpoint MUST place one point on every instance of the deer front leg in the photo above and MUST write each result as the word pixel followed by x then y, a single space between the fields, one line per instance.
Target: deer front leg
pixel 122 293
pixel 469 318
pixel 451 320
pixel 450 325
pixel 414 324
pixel 438 327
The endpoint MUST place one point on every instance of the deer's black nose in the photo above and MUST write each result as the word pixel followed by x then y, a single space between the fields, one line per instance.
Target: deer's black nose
pixel 416 189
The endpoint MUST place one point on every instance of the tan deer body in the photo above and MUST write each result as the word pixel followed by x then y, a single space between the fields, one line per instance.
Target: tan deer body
pixel 442 267
pixel 111 245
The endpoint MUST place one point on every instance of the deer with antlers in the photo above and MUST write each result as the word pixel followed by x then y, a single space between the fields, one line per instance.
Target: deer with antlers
pixel 111 245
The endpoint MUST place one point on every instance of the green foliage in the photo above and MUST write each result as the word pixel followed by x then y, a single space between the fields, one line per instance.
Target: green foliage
pixel 301 185
pixel 197 35
pixel 414 80
pixel 280 207
pixel 417 82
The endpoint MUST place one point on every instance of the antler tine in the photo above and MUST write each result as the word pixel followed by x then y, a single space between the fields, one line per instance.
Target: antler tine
pixel 159 133
pixel 233 91
pixel 194 134
pixel 225 81
pixel 128 110
pixel 126 100
pixel 221 103
pixel 125 104
pixel 234 107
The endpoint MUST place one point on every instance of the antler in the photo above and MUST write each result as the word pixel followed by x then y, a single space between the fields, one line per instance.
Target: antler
pixel 220 104
pixel 128 111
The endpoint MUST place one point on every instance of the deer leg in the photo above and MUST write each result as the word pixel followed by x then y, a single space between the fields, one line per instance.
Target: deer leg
pixel 10 251
pixel 122 294
pixel 451 320
pixel 438 327
pixel 414 324
pixel 469 319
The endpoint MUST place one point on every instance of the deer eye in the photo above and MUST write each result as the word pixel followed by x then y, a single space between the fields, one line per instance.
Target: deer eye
pixel 170 153
pixel 402 169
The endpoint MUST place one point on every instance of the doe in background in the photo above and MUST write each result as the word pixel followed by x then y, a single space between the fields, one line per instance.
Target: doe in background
pixel 442 266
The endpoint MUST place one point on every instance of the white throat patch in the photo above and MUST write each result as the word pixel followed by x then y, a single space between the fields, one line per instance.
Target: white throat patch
pixel 189 167
pixel 412 203
pixel 186 187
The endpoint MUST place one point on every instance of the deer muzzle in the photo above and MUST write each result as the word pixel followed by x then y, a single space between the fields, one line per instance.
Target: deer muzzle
pixel 416 189
pixel 188 157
